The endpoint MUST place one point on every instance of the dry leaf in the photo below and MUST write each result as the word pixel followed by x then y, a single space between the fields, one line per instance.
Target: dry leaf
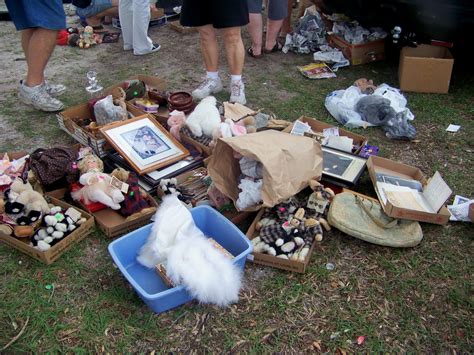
pixel 317 345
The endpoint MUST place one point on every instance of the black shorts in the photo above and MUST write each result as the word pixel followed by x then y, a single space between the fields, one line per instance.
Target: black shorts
pixel 218 13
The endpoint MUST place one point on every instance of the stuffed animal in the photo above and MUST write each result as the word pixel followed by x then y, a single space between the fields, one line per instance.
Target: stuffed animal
pixel 96 184
pixel 248 123
pixel 135 200
pixel 319 200
pixel 56 225
pixel 365 86
pixel 176 121
pixel 23 199
pixel 169 187
pixel 205 118
pixel 87 38
pixel 119 96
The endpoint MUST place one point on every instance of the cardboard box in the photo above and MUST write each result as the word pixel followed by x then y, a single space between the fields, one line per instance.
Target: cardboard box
pixel 51 255
pixel 273 261
pixel 319 126
pixel 385 166
pixel 176 25
pixel 152 82
pixel 68 122
pixel 425 68
pixel 359 53
pixel 113 224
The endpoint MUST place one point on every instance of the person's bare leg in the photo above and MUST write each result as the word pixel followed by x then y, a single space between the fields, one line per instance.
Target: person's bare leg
pixel 96 20
pixel 209 47
pixel 255 28
pixel 273 28
pixel 234 48
pixel 40 46
pixel 25 40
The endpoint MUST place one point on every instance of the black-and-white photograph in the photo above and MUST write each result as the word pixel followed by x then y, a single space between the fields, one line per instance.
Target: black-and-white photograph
pixel 145 142
pixel 398 181
pixel 341 165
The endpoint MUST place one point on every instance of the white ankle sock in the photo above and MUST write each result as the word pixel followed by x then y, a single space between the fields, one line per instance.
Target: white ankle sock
pixel 214 75
pixel 234 78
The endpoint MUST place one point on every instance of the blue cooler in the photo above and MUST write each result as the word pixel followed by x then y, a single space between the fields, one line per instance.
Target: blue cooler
pixel 148 284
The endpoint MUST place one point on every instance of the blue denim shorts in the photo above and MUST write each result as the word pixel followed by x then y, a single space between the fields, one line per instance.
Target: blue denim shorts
pixel 96 7
pixel 277 9
pixel 47 14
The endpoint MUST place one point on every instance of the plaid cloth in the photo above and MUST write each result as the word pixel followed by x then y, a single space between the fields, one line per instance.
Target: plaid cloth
pixel 269 234
pixel 204 140
pixel 310 233
pixel 133 201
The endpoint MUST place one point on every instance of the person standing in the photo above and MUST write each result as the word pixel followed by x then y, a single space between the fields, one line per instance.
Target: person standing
pixel 39 22
pixel 228 17
pixel 134 20
pixel 277 12
pixel 95 10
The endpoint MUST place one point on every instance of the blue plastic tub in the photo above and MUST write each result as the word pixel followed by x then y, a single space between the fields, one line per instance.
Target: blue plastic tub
pixel 146 282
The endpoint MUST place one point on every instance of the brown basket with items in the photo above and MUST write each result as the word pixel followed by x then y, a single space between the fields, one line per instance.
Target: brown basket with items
pixel 145 93
pixel 44 236
pixel 80 123
pixel 284 236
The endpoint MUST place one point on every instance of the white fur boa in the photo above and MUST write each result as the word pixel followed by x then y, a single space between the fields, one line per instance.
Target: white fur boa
pixel 190 259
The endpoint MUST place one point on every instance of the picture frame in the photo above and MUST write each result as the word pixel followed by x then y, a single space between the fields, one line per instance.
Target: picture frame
pixel 144 143
pixel 342 168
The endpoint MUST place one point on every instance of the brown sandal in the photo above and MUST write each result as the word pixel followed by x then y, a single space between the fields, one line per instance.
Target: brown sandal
pixel 276 48
pixel 250 53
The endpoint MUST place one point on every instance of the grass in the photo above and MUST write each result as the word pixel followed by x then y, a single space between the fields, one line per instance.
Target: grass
pixel 414 300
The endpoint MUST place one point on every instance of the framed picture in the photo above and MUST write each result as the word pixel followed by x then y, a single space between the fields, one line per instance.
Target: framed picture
pixel 144 143
pixel 342 168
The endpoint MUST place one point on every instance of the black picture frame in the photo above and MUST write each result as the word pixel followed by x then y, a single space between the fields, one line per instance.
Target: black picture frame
pixel 342 168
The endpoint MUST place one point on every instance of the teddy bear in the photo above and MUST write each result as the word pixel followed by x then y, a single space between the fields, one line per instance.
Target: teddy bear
pixel 87 38
pixel 135 200
pixel 96 185
pixel 22 199
pixel 176 121
pixel 365 86
pixel 205 118
pixel 319 200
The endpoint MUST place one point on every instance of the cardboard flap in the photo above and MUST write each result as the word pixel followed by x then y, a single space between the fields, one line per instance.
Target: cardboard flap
pixel 377 165
pixel 289 162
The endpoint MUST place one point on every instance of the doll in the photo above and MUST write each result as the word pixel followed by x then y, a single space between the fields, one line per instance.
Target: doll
pixel 97 185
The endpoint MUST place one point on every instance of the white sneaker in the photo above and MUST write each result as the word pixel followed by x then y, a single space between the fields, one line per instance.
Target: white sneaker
pixel 54 89
pixel 208 86
pixel 155 48
pixel 237 92
pixel 38 97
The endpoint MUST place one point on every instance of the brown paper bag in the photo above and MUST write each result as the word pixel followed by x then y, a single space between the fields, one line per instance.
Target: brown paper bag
pixel 289 162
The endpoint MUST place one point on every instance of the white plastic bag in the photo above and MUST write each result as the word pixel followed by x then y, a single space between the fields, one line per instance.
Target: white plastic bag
pixel 340 104
pixel 106 112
